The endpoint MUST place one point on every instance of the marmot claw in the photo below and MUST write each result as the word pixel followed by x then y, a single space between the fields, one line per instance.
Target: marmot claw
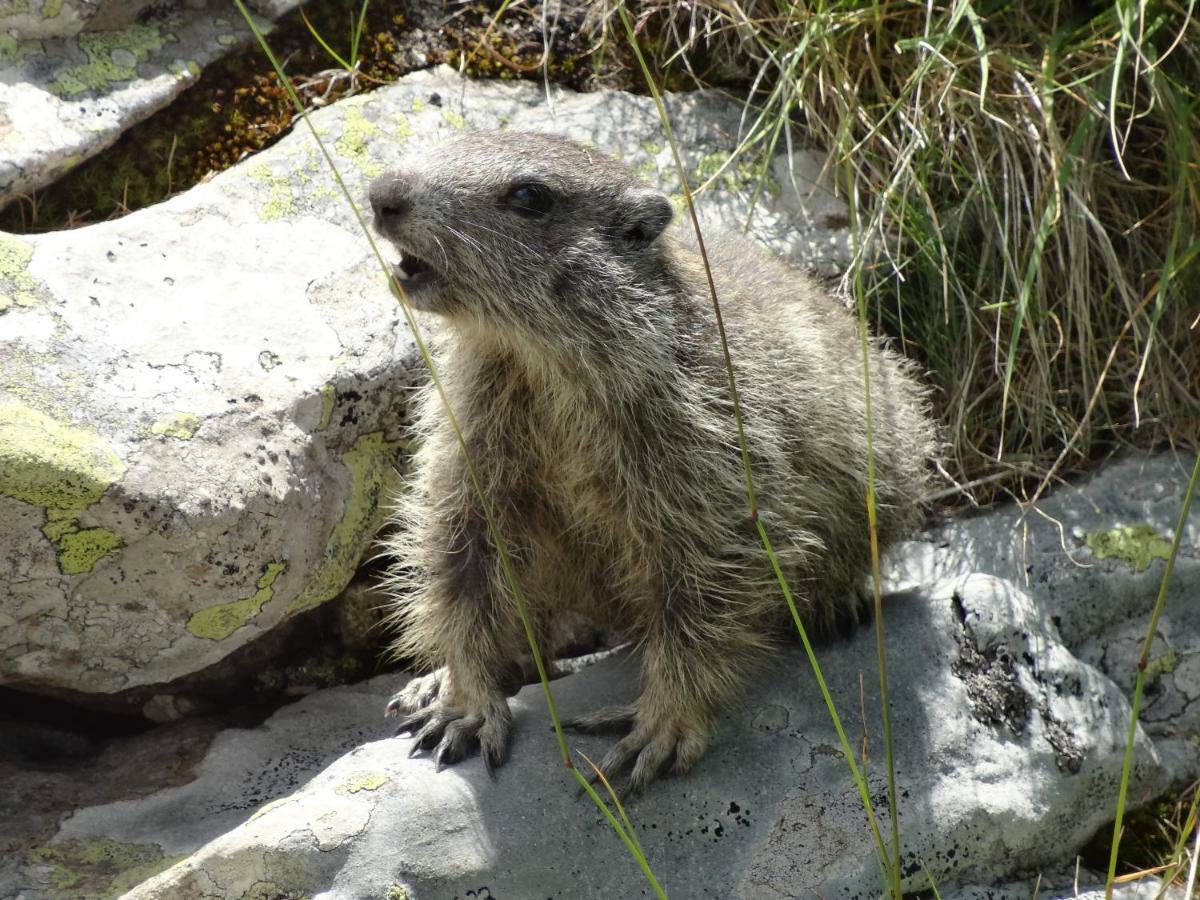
pixel 452 735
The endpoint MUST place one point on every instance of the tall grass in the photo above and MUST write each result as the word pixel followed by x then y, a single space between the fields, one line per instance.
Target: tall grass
pixel 1029 181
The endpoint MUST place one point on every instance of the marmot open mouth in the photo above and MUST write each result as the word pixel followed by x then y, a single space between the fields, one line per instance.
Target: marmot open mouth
pixel 411 266
pixel 413 272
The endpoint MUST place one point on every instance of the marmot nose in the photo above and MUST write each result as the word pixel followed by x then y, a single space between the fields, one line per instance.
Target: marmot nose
pixel 390 201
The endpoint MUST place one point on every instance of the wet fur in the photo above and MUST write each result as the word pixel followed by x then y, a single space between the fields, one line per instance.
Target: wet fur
pixel 582 360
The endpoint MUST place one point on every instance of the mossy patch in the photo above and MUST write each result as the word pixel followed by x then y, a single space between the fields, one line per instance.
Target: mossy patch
pixel 102 869
pixel 179 425
pixel 373 476
pixel 363 781
pixel 112 56
pixel 220 621
pixel 1135 545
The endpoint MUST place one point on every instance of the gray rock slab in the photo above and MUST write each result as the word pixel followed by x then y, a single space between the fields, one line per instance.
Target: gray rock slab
pixel 319 802
pixel 1092 555
pixel 75 74
pixel 201 404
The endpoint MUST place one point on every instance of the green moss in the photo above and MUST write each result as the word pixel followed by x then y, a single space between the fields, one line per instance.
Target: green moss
pixel 220 621
pixel 328 396
pixel 363 781
pixel 101 869
pixel 17 286
pixel 1136 545
pixel 51 9
pixel 397 892
pixel 651 148
pixel 180 425
pixel 373 476
pixel 112 56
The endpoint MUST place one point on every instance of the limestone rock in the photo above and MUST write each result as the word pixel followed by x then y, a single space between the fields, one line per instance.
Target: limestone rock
pixel 201 403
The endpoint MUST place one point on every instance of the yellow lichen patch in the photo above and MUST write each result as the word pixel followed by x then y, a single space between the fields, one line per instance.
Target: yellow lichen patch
pixel 404 128
pixel 1136 545
pixel 454 119
pixel 267 807
pixel 363 781
pixel 112 56
pixel 220 621
pixel 373 477
pixel 14 50
pixel 179 425
pixel 17 286
pixel 80 549
pixel 102 869
pixel 53 465
pixel 281 202
pixel 328 395
pixel 356 128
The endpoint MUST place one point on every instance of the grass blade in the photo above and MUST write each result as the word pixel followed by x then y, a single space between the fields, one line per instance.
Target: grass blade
pixel 1143 661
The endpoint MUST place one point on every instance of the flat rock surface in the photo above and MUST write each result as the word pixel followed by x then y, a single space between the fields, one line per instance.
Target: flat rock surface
pixel 201 403
pixel 1008 754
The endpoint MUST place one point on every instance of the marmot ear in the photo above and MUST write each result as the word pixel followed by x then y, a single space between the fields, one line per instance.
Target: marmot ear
pixel 648 213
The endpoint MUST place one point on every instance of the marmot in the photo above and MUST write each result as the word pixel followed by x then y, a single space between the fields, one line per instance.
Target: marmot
pixel 582 359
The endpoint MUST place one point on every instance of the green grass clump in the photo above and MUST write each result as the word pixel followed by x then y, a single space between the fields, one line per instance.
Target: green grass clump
pixel 1027 180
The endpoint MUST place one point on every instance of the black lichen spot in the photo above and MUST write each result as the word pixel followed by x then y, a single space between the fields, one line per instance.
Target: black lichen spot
pixel 990 677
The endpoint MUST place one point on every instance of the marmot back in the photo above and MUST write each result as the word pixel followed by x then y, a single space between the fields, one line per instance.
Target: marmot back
pixel 581 356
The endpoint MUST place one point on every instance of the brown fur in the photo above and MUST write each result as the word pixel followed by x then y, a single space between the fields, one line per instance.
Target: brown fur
pixel 581 356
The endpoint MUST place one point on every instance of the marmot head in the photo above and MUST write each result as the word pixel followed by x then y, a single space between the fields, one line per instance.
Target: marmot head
pixel 520 230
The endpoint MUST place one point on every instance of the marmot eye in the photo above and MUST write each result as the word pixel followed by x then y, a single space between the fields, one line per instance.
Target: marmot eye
pixel 529 199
